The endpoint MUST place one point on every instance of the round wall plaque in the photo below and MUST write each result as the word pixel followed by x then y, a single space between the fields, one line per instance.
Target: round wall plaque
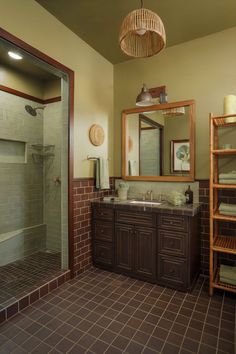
pixel 96 135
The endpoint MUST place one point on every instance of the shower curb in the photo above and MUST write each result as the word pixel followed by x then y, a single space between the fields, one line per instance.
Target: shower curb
pixel 44 289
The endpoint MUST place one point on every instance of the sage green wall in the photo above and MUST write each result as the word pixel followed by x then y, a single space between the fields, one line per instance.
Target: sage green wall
pixel 202 69
pixel 29 21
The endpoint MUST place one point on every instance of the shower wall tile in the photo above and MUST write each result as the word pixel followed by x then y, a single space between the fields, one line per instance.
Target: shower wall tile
pixel 20 244
pixel 21 184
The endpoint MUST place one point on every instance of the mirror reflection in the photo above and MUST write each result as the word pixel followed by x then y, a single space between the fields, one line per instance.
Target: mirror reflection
pixel 158 142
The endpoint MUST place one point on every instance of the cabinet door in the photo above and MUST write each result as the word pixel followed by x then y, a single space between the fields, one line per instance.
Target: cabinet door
pixel 145 252
pixel 102 253
pixel 124 247
pixel 172 271
pixel 102 231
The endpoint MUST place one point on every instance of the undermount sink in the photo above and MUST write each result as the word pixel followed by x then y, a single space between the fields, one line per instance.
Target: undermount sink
pixel 144 202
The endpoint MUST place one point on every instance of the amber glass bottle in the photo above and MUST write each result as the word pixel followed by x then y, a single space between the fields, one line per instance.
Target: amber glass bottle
pixel 189 196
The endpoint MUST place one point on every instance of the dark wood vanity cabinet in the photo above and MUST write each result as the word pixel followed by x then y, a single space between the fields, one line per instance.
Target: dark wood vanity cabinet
pixel 103 243
pixel 157 247
pixel 178 259
pixel 135 243
pixel 135 251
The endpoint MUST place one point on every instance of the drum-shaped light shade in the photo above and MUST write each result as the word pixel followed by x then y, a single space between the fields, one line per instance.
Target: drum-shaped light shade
pixel 142 34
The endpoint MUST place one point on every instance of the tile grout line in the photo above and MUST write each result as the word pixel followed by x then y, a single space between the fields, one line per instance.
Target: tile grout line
pixel 200 340
pixel 220 319
pixel 187 327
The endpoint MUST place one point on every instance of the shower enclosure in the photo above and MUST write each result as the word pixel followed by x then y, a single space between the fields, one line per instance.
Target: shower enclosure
pixel 33 188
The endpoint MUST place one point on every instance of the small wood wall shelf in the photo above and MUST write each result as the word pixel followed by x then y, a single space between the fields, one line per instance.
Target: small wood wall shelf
pixel 219 243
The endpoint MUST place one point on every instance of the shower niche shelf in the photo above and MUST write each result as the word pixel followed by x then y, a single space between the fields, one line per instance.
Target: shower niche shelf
pixel 42 152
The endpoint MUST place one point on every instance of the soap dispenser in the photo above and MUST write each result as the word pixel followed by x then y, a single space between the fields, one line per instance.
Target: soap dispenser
pixel 189 196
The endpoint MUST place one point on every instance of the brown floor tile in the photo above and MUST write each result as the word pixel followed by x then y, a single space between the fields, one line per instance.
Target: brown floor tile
pixel 120 342
pixel 141 337
pixel 170 348
pixel 99 347
pixel 134 348
pixel 100 312
pixel 190 345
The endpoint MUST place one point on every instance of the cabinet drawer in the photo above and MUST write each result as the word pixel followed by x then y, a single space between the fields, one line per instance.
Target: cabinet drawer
pixel 136 218
pixel 102 253
pixel 172 271
pixel 173 222
pixel 103 213
pixel 172 242
pixel 103 231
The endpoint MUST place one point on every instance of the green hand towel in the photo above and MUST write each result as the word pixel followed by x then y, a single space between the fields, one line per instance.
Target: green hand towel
pixel 227 272
pixel 227 281
pixel 229 213
pixel 229 175
pixel 227 181
pixel 227 207
pixel 97 167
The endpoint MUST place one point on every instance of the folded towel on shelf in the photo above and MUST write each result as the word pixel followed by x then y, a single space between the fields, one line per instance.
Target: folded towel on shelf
pixel 227 181
pixel 227 281
pixel 227 274
pixel 229 175
pixel 226 212
pixel 227 207
pixel 132 168
pixel 102 174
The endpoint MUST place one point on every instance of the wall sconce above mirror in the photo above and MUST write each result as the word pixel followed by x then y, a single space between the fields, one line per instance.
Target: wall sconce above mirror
pixel 158 142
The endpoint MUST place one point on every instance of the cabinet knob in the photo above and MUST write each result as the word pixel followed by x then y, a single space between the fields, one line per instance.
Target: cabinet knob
pixel 101 231
pixel 172 271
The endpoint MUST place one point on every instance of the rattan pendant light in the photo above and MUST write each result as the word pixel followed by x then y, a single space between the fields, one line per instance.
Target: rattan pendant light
pixel 142 33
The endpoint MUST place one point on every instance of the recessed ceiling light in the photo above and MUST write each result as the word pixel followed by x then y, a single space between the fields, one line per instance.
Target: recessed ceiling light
pixel 15 56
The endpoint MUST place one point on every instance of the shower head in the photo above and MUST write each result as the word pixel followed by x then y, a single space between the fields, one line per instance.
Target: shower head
pixel 32 111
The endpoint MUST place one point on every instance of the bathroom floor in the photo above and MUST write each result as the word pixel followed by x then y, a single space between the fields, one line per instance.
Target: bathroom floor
pixel 101 312
pixel 23 276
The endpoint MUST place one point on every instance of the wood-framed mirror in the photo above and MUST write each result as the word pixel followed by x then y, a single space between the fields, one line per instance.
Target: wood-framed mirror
pixel 158 142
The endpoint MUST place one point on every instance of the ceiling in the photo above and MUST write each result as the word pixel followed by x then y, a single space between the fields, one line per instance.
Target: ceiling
pixel 27 66
pixel 98 22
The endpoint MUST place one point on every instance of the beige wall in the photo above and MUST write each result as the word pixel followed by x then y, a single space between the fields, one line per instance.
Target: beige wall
pixel 28 21
pixel 202 69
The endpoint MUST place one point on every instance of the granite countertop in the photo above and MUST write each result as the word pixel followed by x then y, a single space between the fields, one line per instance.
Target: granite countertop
pixel 164 207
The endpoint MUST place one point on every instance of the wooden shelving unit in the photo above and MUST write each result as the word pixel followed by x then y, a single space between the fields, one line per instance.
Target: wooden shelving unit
pixel 219 243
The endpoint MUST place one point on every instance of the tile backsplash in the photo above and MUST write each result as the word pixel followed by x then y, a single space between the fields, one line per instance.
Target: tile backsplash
pixel 138 188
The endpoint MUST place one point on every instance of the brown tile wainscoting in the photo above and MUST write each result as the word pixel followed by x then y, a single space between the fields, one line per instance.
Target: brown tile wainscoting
pixel 84 192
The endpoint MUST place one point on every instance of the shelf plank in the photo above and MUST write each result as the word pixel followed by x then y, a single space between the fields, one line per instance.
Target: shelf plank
pixel 219 121
pixel 225 244
pixel 224 186
pixel 218 216
pixel 224 151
